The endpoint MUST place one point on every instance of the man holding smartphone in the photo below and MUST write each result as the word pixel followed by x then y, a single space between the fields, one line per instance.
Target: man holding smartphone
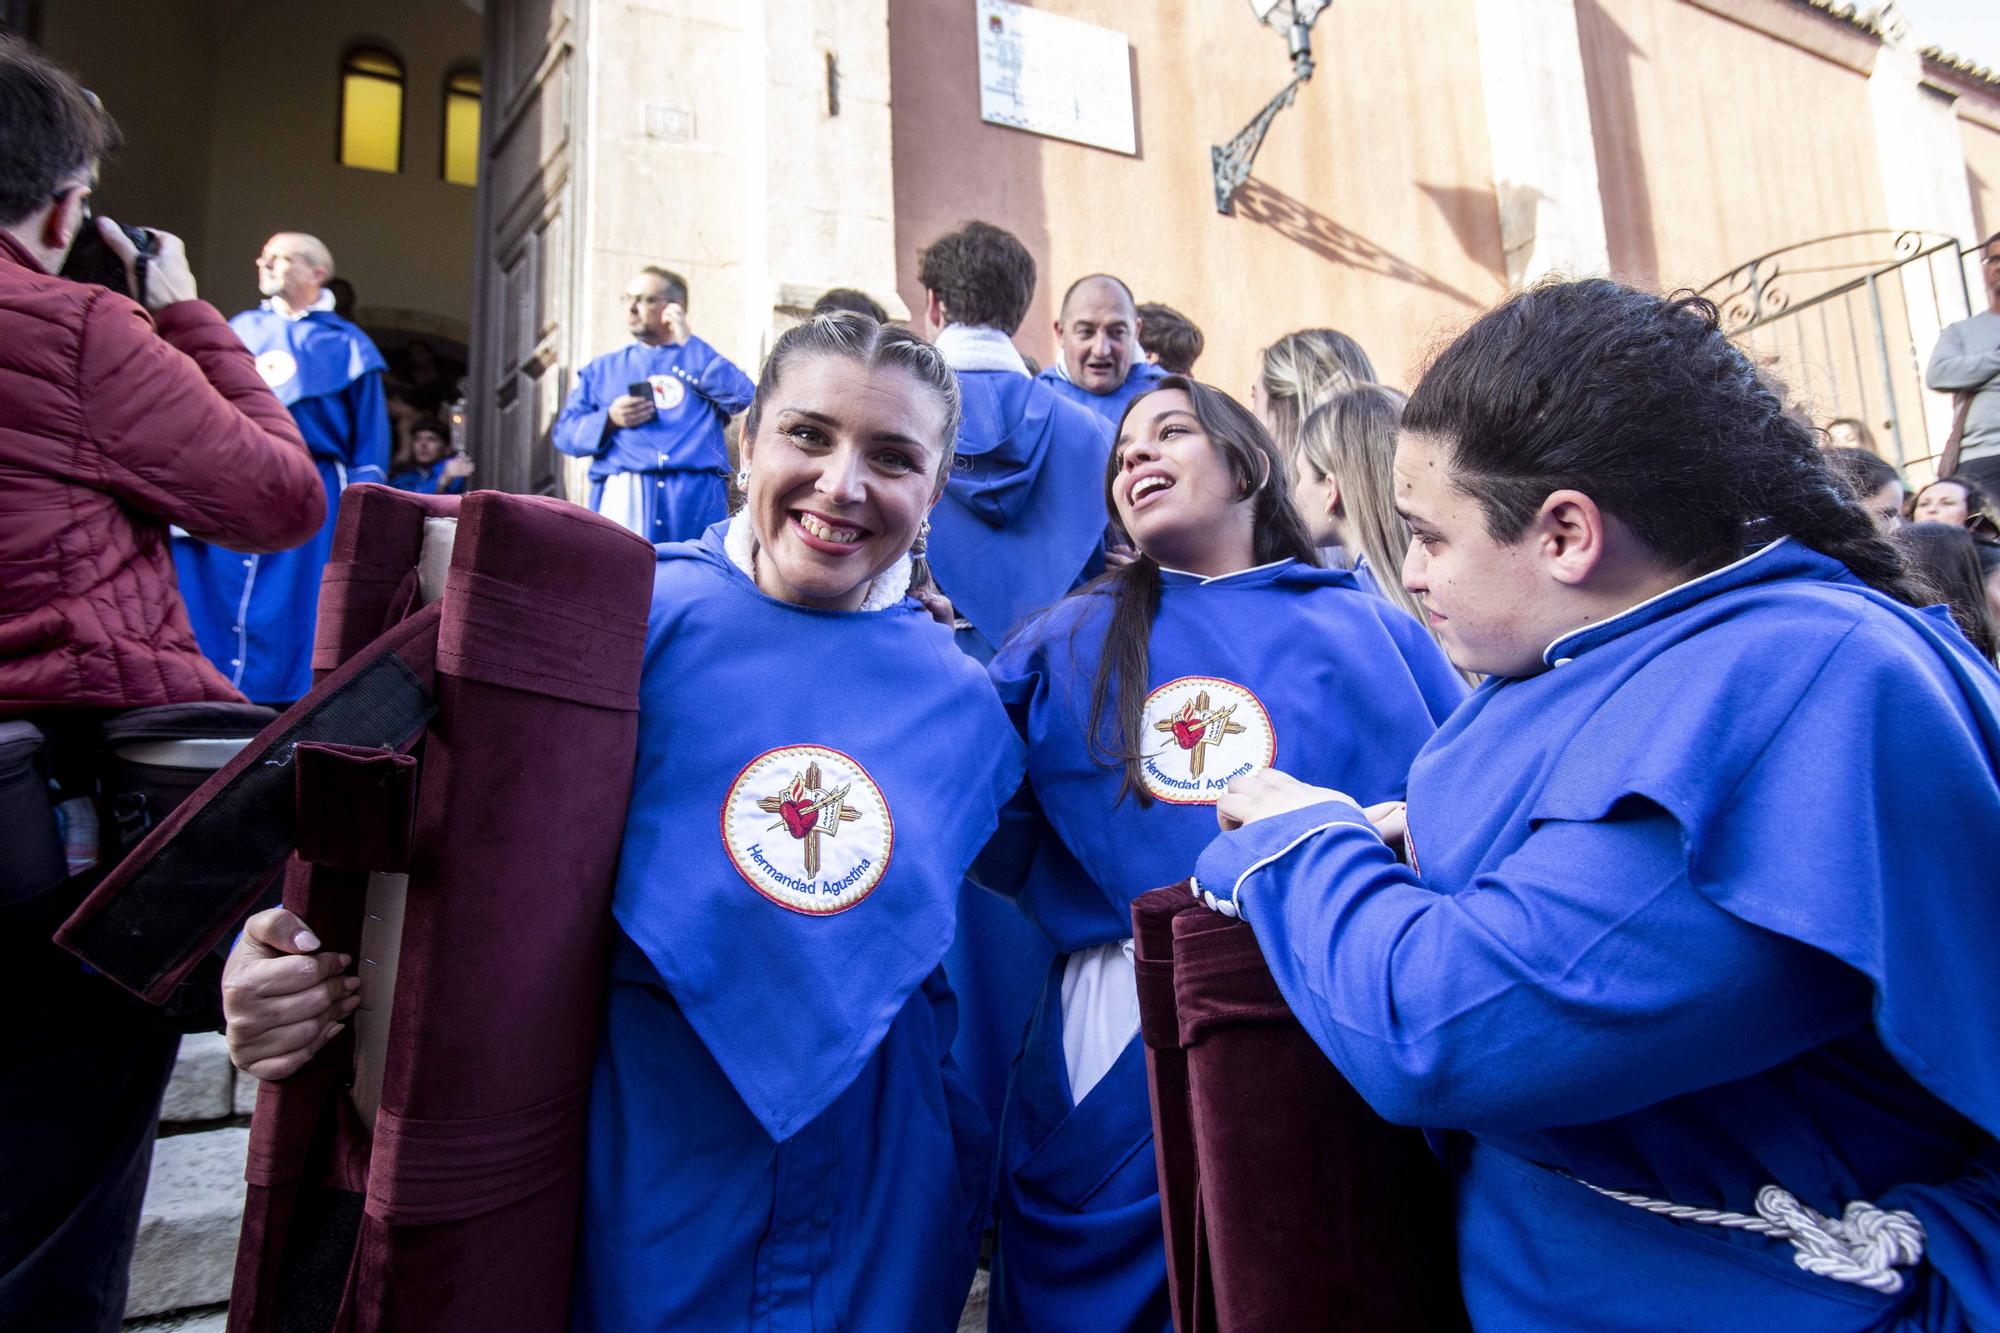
pixel 650 415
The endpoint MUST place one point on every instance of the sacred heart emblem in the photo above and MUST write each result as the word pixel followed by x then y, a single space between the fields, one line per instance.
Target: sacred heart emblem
pixel 1219 727
pixel 798 812
pixel 808 828
pixel 799 817
pixel 1187 729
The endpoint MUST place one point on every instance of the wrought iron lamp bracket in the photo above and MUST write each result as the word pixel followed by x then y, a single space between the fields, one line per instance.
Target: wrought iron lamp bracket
pixel 1230 163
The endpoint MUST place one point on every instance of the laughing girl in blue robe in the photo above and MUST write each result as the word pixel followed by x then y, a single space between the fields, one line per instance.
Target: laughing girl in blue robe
pixel 778 1138
pixel 1222 650
pixel 1691 969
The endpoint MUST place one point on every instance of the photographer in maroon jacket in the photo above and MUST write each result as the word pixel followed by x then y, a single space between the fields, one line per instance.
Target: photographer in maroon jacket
pixel 117 419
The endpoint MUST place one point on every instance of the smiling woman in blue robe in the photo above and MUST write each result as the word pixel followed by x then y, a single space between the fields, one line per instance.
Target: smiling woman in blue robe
pixel 1222 649
pixel 1691 969
pixel 778 1137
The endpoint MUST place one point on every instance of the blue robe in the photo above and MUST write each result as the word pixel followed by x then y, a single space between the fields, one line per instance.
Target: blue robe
pixel 1020 524
pixel 1707 905
pixel 681 452
pixel 1022 516
pixel 1284 665
pixel 1141 376
pixel 427 480
pixel 254 615
pixel 1364 575
pixel 779 1139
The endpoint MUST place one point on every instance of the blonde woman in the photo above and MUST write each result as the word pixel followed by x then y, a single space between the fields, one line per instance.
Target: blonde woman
pixel 1300 371
pixel 1345 488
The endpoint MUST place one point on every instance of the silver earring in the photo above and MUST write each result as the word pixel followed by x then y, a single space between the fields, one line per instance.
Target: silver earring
pixel 743 479
pixel 923 541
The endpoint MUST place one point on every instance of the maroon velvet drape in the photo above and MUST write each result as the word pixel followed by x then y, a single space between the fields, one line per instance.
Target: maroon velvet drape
pixel 459 1211
pixel 1287 1202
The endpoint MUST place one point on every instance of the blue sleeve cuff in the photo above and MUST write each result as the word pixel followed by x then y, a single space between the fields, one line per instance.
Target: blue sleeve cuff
pixel 1225 868
pixel 585 436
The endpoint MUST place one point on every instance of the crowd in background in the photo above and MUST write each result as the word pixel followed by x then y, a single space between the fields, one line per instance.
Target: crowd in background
pixel 1324 559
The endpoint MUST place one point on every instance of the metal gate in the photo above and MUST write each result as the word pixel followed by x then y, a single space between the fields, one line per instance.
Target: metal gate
pixel 1848 322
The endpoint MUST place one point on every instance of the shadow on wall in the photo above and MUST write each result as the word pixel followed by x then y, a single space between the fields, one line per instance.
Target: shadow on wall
pixel 1608 58
pixel 1474 218
pixel 1303 225
pixel 1982 225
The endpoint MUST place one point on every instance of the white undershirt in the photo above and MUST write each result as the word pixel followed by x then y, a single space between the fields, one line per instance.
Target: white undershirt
pixel 1100 1010
pixel 627 502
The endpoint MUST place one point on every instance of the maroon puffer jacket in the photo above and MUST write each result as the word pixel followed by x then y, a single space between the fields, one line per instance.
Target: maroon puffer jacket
pixel 110 429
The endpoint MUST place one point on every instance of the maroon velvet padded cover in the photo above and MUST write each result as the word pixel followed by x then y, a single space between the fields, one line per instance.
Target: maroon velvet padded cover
pixel 1288 1203
pixel 460 1211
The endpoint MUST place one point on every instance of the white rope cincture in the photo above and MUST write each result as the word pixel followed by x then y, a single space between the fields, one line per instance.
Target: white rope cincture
pixel 1865 1245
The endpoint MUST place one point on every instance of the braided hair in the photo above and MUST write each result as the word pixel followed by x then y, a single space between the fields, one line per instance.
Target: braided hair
pixel 1643 404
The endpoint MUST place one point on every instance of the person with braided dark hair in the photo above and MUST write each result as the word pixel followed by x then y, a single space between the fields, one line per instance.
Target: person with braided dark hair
pixel 1698 1001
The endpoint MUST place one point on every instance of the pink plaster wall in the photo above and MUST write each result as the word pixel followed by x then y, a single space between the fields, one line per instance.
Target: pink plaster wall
pixel 1723 135
pixel 1371 208
pixel 1979 125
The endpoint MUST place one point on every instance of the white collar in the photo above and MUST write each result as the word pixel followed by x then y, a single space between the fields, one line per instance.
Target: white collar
pixel 1205 579
pixel 325 302
pixel 739 543
pixel 978 347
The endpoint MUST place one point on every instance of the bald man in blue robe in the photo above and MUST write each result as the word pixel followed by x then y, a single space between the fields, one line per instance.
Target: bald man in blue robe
pixel 253 614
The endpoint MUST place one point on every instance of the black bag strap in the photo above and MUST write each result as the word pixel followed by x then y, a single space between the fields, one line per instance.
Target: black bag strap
pixel 194 877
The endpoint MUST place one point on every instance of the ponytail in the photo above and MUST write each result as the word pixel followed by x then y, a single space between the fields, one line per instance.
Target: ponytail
pixel 1802 497
pixel 1643 404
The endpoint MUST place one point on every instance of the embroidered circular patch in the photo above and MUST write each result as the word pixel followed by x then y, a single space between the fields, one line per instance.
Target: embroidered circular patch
pixel 808 828
pixel 1198 733
pixel 668 392
pixel 277 366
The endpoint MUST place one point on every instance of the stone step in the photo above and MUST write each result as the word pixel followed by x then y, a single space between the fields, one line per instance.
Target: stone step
pixel 182 1321
pixel 187 1231
pixel 973 1318
pixel 203 1086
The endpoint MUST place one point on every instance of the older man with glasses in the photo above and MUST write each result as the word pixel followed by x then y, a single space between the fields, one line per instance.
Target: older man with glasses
pixel 650 415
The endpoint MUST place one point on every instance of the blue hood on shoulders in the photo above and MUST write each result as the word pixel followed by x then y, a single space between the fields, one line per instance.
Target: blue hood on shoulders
pixel 1023 509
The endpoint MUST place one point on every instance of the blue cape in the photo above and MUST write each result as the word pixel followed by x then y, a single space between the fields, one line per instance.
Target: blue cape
pixel 1705 905
pixel 1350 686
pixel 810 788
pixel 310 357
pixel 706 390
pixel 1142 376
pixel 1023 510
pixel 1866 703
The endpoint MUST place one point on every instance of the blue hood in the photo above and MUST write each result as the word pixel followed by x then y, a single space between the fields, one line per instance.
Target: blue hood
pixel 1023 511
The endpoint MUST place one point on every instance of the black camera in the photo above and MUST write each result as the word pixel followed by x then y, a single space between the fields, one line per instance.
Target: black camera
pixel 91 260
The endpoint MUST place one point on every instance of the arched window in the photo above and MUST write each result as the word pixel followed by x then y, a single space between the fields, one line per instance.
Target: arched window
pixel 371 110
pixel 461 127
